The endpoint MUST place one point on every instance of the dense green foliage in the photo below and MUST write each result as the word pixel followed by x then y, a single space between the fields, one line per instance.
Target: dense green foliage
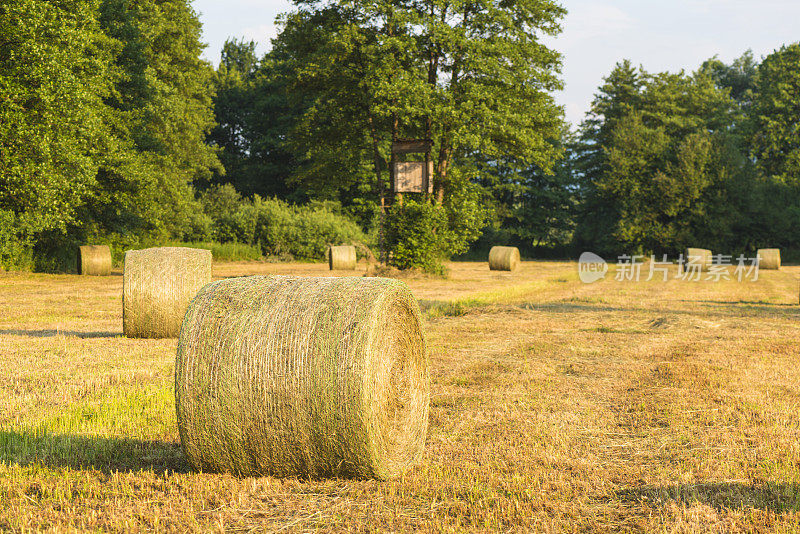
pixel 416 235
pixel 420 234
pixel 105 107
pixel 775 113
pixel 54 75
pixel 652 161
pixel 163 105
pixel 281 230
pixel 254 112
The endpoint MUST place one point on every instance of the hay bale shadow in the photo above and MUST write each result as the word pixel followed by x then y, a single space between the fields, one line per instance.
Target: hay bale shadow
pixel 103 454
pixel 569 307
pixel 751 308
pixel 721 496
pixel 53 333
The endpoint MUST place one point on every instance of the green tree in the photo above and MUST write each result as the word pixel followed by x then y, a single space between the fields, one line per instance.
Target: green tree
pixel 475 78
pixel 546 210
pixel 316 61
pixel 654 180
pixel 54 75
pixel 532 207
pixel 105 106
pixel 620 94
pixel 776 108
pixel 233 102
pixel 162 103
pixel 254 111
pixel 659 160
pixel 738 77
pixel 775 147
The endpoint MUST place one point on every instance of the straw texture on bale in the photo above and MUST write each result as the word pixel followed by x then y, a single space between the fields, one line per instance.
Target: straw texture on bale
pixel 503 258
pixel 769 258
pixel 297 376
pixel 94 260
pixel 157 285
pixel 342 258
pixel 698 258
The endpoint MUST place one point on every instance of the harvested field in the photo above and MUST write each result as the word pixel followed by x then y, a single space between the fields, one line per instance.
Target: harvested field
pixel 555 406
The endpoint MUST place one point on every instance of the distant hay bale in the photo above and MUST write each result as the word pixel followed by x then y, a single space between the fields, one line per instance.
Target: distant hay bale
pixel 503 258
pixel 769 258
pixel 300 376
pixel 157 285
pixel 342 258
pixel 700 258
pixel 94 260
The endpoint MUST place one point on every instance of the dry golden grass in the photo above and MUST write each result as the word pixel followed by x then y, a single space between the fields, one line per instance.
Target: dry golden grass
pixel 556 406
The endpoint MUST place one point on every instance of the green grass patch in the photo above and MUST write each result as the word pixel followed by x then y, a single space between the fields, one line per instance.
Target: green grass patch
pixel 124 429
pixel 448 308
pixel 226 251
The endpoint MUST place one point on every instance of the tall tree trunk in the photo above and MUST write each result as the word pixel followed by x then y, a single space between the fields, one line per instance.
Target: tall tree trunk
pixel 445 149
pixel 434 58
pixel 441 171
pixel 377 162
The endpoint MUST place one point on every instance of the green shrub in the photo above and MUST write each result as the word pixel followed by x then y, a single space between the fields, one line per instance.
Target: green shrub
pixel 417 236
pixel 199 227
pixel 301 232
pixel 220 200
pixel 421 235
pixel 278 228
pixel 15 252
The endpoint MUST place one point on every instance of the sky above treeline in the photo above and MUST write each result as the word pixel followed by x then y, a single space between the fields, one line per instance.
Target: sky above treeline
pixel 657 34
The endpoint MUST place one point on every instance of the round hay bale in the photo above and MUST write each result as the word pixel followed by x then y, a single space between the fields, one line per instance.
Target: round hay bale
pixel 503 258
pixel 94 260
pixel 342 258
pixel 157 285
pixel 700 257
pixel 301 376
pixel 769 258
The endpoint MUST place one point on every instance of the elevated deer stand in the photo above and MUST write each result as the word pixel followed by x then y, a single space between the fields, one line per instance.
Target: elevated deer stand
pixel 408 176
pixel 412 176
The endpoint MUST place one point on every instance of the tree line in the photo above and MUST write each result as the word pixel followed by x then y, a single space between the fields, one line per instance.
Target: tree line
pixel 116 131
pixel 712 158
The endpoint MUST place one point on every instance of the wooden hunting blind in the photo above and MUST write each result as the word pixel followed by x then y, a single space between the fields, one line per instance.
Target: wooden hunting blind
pixel 412 176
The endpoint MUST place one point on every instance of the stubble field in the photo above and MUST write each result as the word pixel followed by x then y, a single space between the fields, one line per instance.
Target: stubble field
pixel 556 406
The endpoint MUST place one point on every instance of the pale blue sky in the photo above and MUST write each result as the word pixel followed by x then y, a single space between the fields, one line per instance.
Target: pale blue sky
pixel 658 34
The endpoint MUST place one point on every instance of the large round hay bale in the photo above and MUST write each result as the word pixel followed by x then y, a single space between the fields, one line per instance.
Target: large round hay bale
pixel 157 285
pixel 503 258
pixel 342 258
pixel 698 258
pixel 769 258
pixel 94 260
pixel 312 377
